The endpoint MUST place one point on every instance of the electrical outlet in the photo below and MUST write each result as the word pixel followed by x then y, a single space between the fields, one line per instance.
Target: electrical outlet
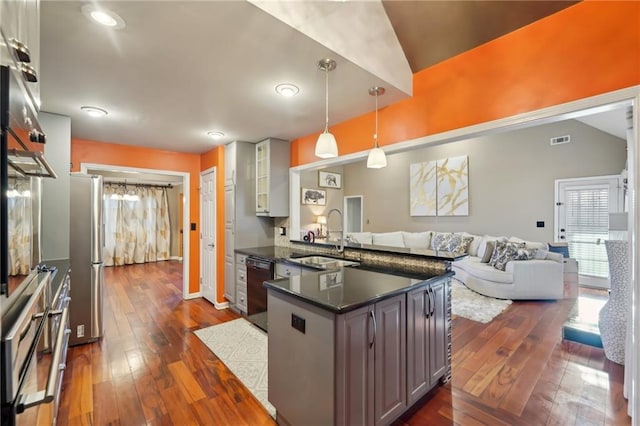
pixel 80 331
pixel 540 224
pixel 298 323
pixel 283 230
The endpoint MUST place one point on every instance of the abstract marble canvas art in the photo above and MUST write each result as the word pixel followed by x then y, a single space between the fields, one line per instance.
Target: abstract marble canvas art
pixel 422 192
pixel 453 186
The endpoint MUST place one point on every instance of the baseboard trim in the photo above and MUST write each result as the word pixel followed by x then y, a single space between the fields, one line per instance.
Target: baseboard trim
pixel 178 258
pixel 220 306
pixel 192 296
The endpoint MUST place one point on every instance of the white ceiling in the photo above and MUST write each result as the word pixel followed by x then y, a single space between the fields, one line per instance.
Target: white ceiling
pixel 182 68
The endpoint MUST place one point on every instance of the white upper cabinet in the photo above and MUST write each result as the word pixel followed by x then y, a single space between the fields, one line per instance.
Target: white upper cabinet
pixel 230 164
pixel 272 178
pixel 20 24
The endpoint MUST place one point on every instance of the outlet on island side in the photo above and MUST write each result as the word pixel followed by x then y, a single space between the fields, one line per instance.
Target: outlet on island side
pixel 298 323
pixel 540 224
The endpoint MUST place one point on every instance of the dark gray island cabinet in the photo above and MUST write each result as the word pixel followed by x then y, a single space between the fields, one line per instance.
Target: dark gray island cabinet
pixel 357 350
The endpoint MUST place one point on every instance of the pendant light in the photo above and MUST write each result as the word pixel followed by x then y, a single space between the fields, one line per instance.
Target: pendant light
pixel 377 158
pixel 326 146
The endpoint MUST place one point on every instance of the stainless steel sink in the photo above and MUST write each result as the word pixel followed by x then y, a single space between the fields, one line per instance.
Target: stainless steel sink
pixel 323 262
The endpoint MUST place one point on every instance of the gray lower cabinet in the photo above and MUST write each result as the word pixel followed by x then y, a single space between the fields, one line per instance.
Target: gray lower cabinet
pixel 370 363
pixel 241 282
pixel 427 339
pixel 364 367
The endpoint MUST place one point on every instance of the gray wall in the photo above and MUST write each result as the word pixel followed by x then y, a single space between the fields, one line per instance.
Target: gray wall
pixel 308 213
pixel 55 197
pixel 511 180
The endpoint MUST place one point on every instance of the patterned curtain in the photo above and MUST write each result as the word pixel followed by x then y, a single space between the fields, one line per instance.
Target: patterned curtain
pixel 19 212
pixel 137 228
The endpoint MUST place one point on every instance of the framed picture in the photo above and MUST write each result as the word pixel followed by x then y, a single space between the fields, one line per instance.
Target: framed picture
pixel 329 180
pixel 316 197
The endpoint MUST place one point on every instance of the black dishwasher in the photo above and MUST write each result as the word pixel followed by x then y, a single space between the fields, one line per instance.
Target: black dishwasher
pixel 259 270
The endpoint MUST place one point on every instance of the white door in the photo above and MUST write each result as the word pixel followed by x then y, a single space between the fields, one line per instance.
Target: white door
pixel 352 214
pixel 229 244
pixel 583 207
pixel 208 235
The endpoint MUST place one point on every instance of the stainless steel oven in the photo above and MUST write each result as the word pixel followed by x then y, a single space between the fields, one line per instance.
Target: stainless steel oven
pixel 32 363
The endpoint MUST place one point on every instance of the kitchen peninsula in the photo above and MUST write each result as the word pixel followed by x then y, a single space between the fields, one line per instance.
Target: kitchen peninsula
pixel 358 345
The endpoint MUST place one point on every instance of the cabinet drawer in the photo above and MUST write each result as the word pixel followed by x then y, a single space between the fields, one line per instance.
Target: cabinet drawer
pixel 241 259
pixel 241 275
pixel 241 287
pixel 285 271
pixel 241 299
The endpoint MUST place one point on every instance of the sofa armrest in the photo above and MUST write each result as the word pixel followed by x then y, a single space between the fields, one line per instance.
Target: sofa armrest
pixel 537 278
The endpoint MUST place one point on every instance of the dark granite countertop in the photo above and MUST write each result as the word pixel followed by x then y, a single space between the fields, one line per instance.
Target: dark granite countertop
pixel 282 253
pixel 428 254
pixel 345 289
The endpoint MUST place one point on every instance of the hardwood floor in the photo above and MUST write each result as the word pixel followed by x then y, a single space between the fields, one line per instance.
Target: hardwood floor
pixel 151 369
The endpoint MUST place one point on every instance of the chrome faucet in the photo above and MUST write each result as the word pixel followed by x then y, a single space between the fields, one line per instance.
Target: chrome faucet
pixel 340 248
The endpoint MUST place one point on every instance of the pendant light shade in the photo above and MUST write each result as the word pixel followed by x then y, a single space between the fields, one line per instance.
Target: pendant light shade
pixel 326 146
pixel 377 159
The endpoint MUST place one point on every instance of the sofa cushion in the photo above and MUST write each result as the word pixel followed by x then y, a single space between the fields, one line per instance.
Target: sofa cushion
pixel 530 244
pixel 360 237
pixel 503 253
pixel 462 246
pixel 445 241
pixel 541 254
pixel 391 239
pixel 473 266
pixel 474 245
pixel 417 240
pixel 489 247
pixel 525 254
pixel 483 245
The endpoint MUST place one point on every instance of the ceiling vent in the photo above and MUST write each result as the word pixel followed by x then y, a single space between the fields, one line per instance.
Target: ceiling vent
pixel 559 140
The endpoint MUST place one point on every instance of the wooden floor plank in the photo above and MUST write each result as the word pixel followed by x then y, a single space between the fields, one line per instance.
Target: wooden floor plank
pixel 151 369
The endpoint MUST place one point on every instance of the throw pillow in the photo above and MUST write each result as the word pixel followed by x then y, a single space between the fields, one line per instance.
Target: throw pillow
pixel 503 253
pixel 463 245
pixel 437 240
pixel 541 254
pixel 491 245
pixel 525 254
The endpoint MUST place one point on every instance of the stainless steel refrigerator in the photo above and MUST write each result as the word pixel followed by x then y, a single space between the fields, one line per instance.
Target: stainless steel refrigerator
pixel 86 256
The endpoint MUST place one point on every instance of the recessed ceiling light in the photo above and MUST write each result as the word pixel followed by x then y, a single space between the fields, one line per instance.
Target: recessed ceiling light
pixel 287 89
pixel 94 111
pixel 215 135
pixel 103 16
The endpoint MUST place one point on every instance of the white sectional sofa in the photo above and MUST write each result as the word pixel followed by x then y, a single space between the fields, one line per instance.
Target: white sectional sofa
pixel 539 277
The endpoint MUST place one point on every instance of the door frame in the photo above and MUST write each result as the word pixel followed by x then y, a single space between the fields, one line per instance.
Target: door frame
pixel 215 226
pixel 346 210
pixel 556 197
pixel 185 225
pixel 616 206
pixel 627 97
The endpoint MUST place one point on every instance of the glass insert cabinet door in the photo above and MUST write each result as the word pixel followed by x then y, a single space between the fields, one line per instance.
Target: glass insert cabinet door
pixel 262 177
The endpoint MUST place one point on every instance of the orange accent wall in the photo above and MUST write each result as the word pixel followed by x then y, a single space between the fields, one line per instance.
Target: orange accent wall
pixel 587 49
pixel 215 158
pixel 86 151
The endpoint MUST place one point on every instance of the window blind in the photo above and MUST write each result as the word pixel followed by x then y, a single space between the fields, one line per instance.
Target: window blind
pixel 587 227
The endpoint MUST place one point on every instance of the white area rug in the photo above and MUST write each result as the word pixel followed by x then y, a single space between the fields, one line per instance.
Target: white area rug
pixel 474 306
pixel 242 347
